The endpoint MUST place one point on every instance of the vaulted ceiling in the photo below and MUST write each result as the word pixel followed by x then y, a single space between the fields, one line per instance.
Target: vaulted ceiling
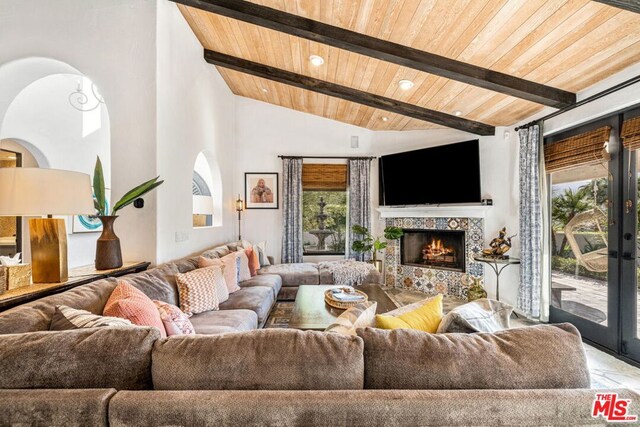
pixel 565 44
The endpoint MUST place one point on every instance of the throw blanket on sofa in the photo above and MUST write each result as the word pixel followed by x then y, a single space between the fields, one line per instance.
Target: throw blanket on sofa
pixel 348 272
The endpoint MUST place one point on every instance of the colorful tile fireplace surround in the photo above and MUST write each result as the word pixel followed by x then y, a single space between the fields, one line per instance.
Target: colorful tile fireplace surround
pixel 433 280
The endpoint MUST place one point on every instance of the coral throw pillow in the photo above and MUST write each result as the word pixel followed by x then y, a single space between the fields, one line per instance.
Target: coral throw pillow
pixel 174 320
pixel 424 318
pixel 243 272
pixel 197 290
pixel 254 261
pixel 229 269
pixel 129 303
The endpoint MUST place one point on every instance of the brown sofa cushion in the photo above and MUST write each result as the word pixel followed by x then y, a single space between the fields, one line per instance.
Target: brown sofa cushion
pixel 64 408
pixel 218 322
pixel 36 315
pixel 296 274
pixel 535 357
pixel 258 299
pixel 272 281
pixel 267 359
pixel 158 283
pixel 117 358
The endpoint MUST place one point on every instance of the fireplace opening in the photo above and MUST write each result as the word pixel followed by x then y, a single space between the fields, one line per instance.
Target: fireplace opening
pixel 443 249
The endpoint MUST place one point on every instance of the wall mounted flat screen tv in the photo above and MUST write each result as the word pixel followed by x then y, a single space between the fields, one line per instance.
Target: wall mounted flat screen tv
pixel 443 174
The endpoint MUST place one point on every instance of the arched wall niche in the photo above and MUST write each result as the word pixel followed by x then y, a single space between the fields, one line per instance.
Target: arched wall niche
pixel 206 188
pixel 57 114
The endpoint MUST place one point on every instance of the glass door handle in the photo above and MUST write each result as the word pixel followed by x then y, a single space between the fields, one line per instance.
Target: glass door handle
pixel 627 256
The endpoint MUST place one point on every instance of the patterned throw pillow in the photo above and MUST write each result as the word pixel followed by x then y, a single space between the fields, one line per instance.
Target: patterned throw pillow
pixel 175 321
pixel 244 273
pixel 229 270
pixel 129 303
pixel 198 290
pixel 65 318
pixel 254 262
pixel 482 315
pixel 361 315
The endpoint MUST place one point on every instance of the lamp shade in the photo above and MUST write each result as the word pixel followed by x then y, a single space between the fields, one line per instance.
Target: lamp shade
pixel 202 205
pixel 36 192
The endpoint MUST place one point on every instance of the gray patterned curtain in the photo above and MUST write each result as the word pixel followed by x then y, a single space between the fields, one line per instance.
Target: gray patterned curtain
pixel 359 199
pixel 292 203
pixel 531 223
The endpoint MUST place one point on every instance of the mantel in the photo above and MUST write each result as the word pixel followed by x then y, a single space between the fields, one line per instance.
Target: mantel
pixel 460 211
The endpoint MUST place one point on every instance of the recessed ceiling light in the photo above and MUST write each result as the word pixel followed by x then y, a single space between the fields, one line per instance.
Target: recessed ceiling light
pixel 405 84
pixel 385 118
pixel 458 113
pixel 316 60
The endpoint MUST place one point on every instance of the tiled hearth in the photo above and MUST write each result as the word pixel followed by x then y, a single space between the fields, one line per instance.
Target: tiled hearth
pixel 429 279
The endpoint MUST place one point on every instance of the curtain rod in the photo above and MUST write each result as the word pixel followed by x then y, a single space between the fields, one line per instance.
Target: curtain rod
pixel 591 98
pixel 326 157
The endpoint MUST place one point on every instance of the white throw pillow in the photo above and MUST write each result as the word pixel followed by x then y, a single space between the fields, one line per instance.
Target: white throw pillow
pixel 262 253
pixel 245 272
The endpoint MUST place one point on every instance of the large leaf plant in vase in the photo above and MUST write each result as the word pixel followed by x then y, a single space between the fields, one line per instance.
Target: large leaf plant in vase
pixel 108 251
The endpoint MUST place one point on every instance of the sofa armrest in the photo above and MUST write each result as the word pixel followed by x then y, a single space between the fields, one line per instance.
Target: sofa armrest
pixel 271 259
pixel 55 407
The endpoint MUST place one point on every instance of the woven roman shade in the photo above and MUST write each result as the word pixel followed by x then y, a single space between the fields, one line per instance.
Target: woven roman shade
pixel 583 149
pixel 324 177
pixel 631 133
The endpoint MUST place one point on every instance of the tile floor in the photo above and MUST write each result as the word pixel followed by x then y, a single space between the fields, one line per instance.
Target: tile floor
pixel 606 370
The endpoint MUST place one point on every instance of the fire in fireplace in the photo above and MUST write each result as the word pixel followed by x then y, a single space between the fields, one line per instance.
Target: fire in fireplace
pixel 444 249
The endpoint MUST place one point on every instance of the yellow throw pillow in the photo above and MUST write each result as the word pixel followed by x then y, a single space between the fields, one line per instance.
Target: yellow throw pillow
pixel 424 318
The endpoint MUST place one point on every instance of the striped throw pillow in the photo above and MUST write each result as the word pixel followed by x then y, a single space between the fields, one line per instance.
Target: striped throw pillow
pixel 197 290
pixel 66 318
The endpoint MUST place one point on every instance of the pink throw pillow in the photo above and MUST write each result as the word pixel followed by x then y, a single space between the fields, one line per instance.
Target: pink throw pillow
pixel 174 320
pixel 129 303
pixel 254 261
pixel 230 269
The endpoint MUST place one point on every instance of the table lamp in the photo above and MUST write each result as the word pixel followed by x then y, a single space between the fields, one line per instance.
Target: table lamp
pixel 38 192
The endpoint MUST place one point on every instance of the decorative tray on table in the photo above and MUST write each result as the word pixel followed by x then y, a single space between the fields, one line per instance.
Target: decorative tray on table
pixel 344 297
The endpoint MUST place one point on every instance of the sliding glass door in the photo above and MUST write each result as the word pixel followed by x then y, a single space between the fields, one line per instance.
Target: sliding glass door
pixel 584 230
pixel 595 233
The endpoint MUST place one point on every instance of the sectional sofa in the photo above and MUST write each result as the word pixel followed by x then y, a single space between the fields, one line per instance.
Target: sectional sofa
pixel 233 373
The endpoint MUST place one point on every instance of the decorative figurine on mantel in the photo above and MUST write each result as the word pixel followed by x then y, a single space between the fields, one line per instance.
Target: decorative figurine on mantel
pixel 499 246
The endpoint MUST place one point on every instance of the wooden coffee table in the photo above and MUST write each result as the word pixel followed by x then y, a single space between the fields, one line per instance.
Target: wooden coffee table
pixel 312 313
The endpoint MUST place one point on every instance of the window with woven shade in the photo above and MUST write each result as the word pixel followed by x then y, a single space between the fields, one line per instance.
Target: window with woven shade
pixel 324 177
pixel 583 149
pixel 630 133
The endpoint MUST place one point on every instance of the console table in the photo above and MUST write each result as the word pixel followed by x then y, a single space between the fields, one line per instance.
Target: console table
pixel 497 265
pixel 77 276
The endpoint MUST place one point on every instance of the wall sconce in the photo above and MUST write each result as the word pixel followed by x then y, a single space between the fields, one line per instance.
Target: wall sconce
pixel 239 209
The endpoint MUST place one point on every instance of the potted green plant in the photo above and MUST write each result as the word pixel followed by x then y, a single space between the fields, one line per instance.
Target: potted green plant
pixel 367 244
pixel 108 251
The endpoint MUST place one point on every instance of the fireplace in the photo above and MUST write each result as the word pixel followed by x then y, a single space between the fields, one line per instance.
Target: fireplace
pixel 443 249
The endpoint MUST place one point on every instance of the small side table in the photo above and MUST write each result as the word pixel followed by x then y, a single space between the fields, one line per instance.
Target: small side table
pixel 497 265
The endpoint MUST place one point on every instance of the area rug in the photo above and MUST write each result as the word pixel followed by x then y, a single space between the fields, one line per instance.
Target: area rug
pixel 280 315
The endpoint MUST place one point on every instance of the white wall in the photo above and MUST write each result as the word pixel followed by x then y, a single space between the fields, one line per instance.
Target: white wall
pixel 113 43
pixel 196 112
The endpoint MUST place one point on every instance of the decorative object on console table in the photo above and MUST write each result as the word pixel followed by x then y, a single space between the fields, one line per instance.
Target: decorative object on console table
pixel 239 209
pixel 34 192
pixel 261 190
pixel 367 244
pixel 14 276
pixel 499 246
pixel 108 251
pixel 476 291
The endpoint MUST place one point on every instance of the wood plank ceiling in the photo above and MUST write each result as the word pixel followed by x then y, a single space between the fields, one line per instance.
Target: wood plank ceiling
pixel 567 44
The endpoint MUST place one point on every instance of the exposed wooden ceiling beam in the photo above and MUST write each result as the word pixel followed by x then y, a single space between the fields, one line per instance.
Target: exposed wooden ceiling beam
pixel 384 50
pixel 346 93
pixel 630 5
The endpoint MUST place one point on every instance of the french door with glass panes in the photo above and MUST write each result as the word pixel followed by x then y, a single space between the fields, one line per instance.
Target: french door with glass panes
pixel 595 236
